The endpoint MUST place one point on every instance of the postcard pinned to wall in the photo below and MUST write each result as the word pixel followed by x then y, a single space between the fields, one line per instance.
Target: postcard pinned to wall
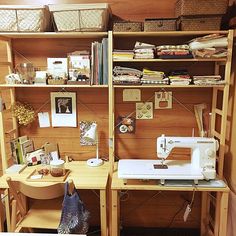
pixel 84 127
pixel 63 109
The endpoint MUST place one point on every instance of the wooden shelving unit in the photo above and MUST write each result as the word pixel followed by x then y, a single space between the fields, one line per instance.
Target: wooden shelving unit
pixel 142 144
pixel 104 104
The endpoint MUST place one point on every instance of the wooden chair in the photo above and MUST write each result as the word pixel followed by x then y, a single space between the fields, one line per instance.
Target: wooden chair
pixel 45 209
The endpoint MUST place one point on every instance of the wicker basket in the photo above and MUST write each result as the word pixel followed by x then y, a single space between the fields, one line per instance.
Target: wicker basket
pixel 127 26
pixel 80 17
pixel 164 24
pixel 57 81
pixel 196 23
pixel 24 18
pixel 200 7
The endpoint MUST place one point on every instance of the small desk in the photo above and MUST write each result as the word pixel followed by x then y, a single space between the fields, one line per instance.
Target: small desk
pixel 222 202
pixel 83 176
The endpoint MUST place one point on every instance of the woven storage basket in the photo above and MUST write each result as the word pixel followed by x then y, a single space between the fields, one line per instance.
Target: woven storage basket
pixel 57 81
pixel 164 24
pixel 127 26
pixel 80 17
pixel 24 18
pixel 199 23
pixel 200 7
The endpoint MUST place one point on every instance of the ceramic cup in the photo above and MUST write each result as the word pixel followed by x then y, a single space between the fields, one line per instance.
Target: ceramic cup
pixel 57 168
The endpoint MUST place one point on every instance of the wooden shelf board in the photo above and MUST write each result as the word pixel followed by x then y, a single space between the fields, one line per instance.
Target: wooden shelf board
pixel 51 86
pixel 167 33
pixel 167 86
pixel 172 60
pixel 55 35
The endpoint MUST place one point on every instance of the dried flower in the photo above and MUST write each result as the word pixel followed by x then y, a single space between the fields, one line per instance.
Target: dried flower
pixel 23 112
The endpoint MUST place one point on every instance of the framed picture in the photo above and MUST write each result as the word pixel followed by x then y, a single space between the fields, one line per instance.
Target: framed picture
pixel 63 109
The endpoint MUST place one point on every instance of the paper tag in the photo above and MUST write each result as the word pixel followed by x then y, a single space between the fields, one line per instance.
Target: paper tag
pixel 44 119
pixel 36 176
pixel 187 212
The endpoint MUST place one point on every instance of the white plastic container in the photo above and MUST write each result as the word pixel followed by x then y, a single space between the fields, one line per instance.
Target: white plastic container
pixel 57 168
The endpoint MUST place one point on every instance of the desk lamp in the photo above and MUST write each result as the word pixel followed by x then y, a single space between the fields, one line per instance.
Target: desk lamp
pixel 92 136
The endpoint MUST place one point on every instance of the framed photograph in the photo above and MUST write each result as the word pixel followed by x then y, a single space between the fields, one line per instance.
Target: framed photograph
pixel 63 109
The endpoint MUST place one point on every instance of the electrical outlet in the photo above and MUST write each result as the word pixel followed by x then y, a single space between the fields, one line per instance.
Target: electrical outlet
pixel 144 111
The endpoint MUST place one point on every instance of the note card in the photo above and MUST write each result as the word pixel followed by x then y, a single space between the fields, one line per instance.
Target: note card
pixel 43 119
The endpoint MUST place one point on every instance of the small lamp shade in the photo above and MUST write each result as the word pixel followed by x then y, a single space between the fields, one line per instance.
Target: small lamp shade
pixel 91 134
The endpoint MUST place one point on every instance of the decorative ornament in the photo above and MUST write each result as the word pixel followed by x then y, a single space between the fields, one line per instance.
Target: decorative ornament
pixel 23 112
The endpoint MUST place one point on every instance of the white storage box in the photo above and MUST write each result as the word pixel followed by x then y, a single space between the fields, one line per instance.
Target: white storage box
pixel 80 17
pixel 24 18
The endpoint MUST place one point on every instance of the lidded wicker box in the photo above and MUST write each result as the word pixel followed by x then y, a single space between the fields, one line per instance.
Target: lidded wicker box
pixel 200 7
pixel 127 26
pixel 196 23
pixel 24 18
pixel 80 17
pixel 160 24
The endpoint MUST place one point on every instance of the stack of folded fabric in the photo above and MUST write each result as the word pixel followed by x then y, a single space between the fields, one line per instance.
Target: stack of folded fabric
pixel 210 46
pixel 143 50
pixel 207 80
pixel 126 75
pixel 179 77
pixel 173 52
pixel 153 77
pixel 123 54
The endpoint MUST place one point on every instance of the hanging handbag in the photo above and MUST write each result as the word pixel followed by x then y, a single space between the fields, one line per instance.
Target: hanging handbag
pixel 74 217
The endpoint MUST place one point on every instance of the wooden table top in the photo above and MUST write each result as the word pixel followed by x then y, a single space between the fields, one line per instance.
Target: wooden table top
pixel 118 184
pixel 83 176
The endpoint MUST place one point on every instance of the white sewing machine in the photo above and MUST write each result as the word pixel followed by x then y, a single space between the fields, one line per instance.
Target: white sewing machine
pixel 201 166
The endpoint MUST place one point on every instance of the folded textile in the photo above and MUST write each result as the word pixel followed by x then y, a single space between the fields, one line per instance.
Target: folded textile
pixel 119 70
pixel 218 42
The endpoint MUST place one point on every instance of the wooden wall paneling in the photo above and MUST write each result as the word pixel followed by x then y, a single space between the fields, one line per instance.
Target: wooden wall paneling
pixel 128 10
pixel 138 208
pixel 89 107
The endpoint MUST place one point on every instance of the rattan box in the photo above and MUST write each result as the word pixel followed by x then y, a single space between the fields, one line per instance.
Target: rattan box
pixel 197 23
pixel 24 18
pixel 80 17
pixel 127 26
pixel 200 7
pixel 160 24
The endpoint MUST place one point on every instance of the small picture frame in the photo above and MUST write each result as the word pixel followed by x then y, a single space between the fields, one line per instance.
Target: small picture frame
pixel 126 125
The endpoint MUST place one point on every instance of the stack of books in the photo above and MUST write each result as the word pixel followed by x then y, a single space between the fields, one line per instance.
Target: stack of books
pixel 19 148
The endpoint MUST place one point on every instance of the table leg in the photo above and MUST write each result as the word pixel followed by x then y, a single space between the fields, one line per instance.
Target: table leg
pixel 1 216
pixel 223 213
pixel 115 213
pixel 7 208
pixel 103 213
pixel 204 213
